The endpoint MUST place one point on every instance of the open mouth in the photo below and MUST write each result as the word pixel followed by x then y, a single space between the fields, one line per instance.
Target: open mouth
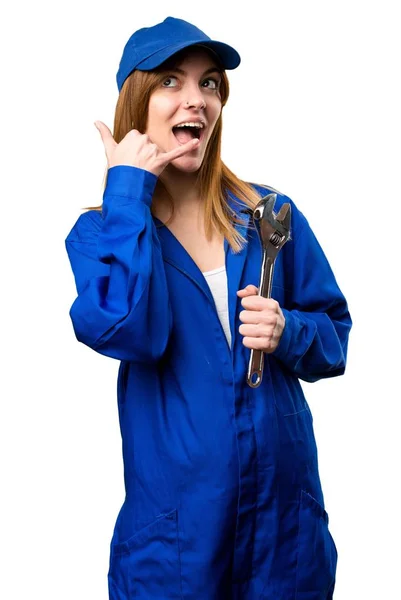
pixel 186 132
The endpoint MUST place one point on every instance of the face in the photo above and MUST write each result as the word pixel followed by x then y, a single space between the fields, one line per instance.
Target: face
pixel 189 94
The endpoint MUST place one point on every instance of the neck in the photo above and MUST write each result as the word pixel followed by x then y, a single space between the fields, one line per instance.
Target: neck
pixel 182 187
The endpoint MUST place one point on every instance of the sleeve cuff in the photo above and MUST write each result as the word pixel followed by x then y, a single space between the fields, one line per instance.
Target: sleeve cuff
pixel 132 183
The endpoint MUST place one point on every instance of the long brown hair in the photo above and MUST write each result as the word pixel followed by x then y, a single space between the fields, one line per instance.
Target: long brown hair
pixel 214 180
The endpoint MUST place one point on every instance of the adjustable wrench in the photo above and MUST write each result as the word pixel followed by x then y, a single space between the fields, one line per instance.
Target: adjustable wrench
pixel 273 231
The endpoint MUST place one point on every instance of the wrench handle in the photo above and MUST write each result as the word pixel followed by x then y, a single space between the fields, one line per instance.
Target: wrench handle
pixel 256 360
pixel 255 369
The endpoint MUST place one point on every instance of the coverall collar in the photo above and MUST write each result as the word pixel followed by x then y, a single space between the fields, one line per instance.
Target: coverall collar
pixel 175 254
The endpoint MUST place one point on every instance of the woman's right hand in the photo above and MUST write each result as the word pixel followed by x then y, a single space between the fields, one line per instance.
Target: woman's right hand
pixel 136 150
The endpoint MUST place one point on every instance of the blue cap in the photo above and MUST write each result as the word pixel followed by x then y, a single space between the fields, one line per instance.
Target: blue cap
pixel 149 47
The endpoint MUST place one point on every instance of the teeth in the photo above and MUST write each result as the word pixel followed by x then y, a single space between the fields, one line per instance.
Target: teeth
pixel 191 124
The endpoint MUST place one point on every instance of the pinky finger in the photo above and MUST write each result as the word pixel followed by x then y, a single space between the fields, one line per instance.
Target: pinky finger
pixel 254 343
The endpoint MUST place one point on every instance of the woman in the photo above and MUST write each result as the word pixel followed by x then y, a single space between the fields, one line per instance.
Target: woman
pixel 223 497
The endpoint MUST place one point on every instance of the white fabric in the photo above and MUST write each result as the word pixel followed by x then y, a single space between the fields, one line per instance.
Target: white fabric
pixel 217 281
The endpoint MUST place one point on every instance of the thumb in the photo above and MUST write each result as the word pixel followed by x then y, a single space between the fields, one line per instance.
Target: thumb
pixel 106 135
pixel 249 290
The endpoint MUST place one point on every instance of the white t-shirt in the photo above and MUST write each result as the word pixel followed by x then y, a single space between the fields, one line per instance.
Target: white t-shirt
pixel 217 281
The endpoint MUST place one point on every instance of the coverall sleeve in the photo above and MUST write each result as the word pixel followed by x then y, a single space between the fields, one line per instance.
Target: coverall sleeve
pixel 122 309
pixel 314 342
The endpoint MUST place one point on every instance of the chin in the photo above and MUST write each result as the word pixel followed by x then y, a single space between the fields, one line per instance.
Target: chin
pixel 187 165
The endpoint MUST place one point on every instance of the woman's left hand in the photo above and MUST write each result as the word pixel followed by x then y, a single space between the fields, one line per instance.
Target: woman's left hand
pixel 263 320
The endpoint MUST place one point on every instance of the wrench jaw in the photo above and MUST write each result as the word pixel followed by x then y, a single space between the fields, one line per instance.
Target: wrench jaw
pixel 264 207
pixel 283 219
pixel 274 229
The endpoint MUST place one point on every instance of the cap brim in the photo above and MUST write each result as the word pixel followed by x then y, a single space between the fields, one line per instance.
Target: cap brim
pixel 229 58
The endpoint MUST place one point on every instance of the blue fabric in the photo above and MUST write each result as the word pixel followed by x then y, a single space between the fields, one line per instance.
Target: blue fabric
pixel 149 47
pixel 223 497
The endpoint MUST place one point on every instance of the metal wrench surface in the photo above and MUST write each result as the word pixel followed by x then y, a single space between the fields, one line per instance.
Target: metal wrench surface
pixel 273 231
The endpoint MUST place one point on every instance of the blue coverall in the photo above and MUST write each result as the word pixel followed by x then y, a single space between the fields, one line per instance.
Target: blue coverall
pixel 223 496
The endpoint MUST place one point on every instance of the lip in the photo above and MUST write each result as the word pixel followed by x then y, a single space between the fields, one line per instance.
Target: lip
pixel 191 120
pixel 201 132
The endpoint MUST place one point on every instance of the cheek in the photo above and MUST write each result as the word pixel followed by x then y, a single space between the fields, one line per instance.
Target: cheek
pixel 159 115
pixel 215 111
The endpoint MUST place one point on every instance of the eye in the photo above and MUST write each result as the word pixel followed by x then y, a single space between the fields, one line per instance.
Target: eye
pixel 211 83
pixel 170 81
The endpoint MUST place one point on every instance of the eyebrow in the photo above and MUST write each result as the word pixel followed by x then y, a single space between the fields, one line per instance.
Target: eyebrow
pixel 207 72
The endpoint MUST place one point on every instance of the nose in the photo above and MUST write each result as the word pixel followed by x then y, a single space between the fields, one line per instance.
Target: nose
pixel 200 104
pixel 194 97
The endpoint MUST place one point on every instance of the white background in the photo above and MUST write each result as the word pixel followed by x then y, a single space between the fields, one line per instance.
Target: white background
pixel 315 112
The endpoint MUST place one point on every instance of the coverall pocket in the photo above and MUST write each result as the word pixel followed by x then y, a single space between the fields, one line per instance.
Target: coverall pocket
pixel 286 391
pixel 147 565
pixel 317 553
